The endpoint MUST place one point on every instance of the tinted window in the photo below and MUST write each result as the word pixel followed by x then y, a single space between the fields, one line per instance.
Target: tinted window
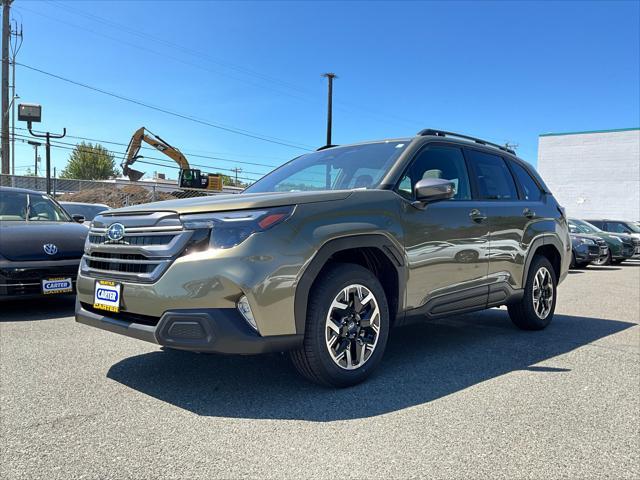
pixel 87 211
pixel 438 161
pixel 530 189
pixel 494 178
pixel 618 227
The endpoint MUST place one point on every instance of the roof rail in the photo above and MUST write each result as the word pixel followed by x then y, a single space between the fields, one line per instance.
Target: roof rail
pixel 325 146
pixel 442 133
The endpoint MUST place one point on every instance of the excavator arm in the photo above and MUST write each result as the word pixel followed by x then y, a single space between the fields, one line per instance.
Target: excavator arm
pixel 133 152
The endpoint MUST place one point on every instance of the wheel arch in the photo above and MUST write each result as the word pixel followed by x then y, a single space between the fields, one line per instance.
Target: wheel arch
pixel 550 247
pixel 376 252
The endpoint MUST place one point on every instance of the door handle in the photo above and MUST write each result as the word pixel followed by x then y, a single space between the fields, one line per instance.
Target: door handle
pixel 477 216
pixel 527 212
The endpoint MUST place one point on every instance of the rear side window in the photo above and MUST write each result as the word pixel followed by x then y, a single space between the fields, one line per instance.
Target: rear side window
pixel 438 161
pixel 495 181
pixel 530 188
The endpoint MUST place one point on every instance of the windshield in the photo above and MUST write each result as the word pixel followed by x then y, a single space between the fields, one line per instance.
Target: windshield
pixel 633 227
pixel 580 226
pixel 32 207
pixel 339 168
pixel 87 211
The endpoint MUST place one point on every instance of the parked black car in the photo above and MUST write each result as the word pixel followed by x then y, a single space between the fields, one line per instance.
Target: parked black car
pixel 587 248
pixel 40 245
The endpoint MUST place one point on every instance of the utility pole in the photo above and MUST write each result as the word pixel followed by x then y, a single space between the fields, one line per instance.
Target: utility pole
pixel 237 171
pixel 35 146
pixel 15 48
pixel 330 76
pixel 6 36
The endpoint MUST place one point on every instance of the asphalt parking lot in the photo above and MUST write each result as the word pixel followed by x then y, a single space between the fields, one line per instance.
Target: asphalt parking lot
pixel 470 397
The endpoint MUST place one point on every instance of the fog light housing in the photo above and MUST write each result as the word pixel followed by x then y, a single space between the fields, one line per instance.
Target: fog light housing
pixel 245 310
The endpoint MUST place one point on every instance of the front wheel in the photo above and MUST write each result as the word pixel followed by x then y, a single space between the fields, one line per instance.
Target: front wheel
pixel 347 327
pixel 600 261
pixel 535 310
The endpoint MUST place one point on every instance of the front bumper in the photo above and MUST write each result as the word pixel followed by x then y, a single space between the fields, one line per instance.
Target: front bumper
pixel 20 279
pixel 587 253
pixel 626 251
pixel 214 330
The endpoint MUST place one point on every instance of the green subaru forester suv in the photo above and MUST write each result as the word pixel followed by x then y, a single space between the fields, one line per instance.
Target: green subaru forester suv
pixel 325 254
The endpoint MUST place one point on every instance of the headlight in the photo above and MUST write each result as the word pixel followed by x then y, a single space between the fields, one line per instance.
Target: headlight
pixel 587 241
pixel 228 229
pixel 616 238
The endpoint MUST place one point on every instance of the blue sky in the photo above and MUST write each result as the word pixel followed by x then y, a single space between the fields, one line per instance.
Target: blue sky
pixel 504 71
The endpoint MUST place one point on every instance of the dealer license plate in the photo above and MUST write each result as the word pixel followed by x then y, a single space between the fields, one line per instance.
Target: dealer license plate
pixel 52 286
pixel 107 296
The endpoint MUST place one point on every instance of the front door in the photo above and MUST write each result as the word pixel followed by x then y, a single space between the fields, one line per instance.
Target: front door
pixel 446 242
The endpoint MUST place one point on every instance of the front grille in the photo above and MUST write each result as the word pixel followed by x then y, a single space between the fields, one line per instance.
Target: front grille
pixel 34 275
pixel 150 243
pixel 601 242
pixel 133 240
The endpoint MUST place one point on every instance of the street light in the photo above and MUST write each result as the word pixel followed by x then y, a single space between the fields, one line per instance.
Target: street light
pixel 32 112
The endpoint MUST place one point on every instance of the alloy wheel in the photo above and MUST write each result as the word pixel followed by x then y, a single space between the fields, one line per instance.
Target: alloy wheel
pixel 542 293
pixel 352 327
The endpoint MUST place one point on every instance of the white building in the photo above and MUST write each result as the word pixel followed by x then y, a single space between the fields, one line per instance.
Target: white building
pixel 593 174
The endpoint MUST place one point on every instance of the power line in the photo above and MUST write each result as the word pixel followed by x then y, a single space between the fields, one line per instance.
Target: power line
pixel 71 146
pixel 235 130
pixel 111 142
pixel 311 96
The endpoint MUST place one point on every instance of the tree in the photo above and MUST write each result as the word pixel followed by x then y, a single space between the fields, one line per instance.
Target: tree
pixel 90 161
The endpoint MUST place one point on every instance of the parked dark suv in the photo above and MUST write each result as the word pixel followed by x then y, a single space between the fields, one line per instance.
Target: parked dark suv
pixel 326 253
pixel 628 230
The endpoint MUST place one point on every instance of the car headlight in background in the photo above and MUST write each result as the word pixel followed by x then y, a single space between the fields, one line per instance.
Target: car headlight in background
pixel 618 239
pixel 587 241
pixel 228 229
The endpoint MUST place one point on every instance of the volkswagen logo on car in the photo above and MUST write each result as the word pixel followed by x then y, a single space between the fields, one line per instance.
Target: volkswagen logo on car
pixel 115 232
pixel 50 249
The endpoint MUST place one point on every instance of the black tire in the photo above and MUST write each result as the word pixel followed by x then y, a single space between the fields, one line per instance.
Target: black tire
pixel 313 360
pixel 617 262
pixel 523 314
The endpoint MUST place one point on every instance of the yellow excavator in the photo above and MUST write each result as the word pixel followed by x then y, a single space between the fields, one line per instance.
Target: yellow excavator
pixel 187 178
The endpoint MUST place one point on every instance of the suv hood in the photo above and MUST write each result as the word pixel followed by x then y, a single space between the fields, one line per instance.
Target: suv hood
pixel 590 236
pixel 24 241
pixel 242 201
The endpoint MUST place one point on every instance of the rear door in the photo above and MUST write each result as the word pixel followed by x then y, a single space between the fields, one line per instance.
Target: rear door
pixel 447 242
pixel 512 208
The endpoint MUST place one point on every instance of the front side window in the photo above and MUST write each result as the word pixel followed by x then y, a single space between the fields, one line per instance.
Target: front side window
pixel 530 188
pixel 495 181
pixel 339 168
pixel 620 227
pixel 438 161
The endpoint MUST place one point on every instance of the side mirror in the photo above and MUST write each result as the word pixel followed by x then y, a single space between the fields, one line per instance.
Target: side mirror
pixel 433 189
pixel 78 218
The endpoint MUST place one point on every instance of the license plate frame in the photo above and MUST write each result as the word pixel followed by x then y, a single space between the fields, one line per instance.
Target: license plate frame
pixel 56 285
pixel 107 296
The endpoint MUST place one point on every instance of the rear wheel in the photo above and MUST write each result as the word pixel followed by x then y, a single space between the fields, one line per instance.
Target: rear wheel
pixel 347 327
pixel 535 310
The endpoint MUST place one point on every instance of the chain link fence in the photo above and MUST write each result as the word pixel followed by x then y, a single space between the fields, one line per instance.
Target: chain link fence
pixel 114 193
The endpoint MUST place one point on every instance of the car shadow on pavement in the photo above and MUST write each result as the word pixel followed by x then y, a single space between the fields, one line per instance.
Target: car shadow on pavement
pixel 37 308
pixel 423 362
pixel 595 267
